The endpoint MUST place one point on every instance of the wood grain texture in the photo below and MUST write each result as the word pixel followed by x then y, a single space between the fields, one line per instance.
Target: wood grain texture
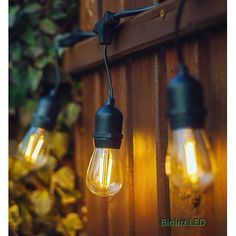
pixel 113 5
pixel 145 31
pixel 90 12
pixel 141 3
pixel 217 125
pixel 161 127
pixel 144 146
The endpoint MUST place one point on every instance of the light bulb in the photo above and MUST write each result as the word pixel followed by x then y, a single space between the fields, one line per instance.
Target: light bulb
pixel 104 175
pixel 34 148
pixel 188 162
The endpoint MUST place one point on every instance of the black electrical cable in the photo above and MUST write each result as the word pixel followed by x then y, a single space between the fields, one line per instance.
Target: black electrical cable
pixel 177 29
pixel 57 69
pixel 132 12
pixel 108 73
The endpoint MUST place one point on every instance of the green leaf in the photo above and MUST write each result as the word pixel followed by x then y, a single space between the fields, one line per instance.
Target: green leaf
pixel 34 76
pixel 26 112
pixel 17 96
pixel 30 36
pixel 70 114
pixel 57 4
pixel 13 12
pixel 32 8
pixel 43 61
pixel 15 51
pixel 34 51
pixel 57 15
pixel 42 202
pixel 65 178
pixel 48 26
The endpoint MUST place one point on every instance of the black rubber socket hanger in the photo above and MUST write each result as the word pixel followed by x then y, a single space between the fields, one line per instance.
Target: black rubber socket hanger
pixel 106 27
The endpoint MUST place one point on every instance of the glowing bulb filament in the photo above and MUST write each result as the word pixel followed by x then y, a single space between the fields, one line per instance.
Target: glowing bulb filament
pixel 29 146
pixel 101 171
pixel 105 170
pixel 191 161
pixel 37 150
pixel 109 172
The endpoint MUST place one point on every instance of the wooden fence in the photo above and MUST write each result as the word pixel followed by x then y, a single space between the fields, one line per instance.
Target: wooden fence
pixel 143 61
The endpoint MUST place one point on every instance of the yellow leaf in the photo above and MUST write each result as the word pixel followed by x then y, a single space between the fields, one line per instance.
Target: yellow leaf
pixel 72 221
pixel 42 202
pixel 17 189
pixel 14 217
pixel 68 197
pixel 51 163
pixel 70 224
pixel 26 216
pixel 18 169
pixel 65 178
pixel 59 144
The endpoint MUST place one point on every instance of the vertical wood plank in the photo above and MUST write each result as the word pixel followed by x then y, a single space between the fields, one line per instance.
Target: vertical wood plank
pixel 90 12
pixel 113 5
pixel 161 128
pixel 213 67
pixel 144 146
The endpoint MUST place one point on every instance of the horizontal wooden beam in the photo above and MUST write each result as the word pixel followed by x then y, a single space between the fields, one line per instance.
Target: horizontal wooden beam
pixel 145 31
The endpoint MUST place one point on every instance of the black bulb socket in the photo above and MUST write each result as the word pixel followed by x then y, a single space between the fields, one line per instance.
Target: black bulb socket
pixel 185 100
pixel 46 113
pixel 108 126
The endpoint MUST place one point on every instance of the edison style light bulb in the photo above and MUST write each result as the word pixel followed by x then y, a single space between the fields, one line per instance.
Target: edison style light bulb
pixel 34 148
pixel 188 162
pixel 104 175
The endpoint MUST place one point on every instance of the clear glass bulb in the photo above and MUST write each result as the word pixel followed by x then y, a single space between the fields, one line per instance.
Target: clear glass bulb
pixel 188 162
pixel 104 175
pixel 34 148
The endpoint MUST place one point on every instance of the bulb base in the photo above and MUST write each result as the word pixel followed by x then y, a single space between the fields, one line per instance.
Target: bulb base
pixel 108 127
pixel 185 98
pixel 46 113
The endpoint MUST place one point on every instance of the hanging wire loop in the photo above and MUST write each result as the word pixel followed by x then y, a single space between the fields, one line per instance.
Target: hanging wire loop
pixel 108 73
pixel 57 69
pixel 179 50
